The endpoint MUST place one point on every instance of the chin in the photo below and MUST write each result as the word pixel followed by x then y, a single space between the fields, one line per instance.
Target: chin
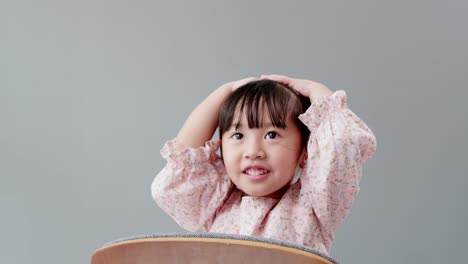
pixel 253 193
pixel 271 194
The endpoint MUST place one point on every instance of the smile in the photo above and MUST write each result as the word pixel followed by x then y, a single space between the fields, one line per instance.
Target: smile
pixel 256 173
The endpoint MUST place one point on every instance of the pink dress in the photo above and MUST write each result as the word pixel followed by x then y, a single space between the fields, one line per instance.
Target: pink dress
pixel 195 190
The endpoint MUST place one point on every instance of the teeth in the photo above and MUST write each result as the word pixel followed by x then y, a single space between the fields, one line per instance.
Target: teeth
pixel 256 171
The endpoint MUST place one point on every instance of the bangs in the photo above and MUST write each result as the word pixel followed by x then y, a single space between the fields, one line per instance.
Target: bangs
pixel 253 105
pixel 251 100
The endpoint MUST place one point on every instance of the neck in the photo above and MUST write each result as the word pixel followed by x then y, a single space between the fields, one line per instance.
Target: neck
pixel 274 195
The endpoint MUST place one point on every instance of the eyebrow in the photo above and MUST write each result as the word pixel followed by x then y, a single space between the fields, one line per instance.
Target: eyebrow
pixel 239 125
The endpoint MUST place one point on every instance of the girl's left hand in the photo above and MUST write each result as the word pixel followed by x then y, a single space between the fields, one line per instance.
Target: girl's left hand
pixel 236 84
pixel 306 88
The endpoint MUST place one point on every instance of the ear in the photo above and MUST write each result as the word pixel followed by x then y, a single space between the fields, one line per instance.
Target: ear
pixel 303 161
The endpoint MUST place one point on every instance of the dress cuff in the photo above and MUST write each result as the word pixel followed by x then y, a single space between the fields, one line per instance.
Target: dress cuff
pixel 190 156
pixel 322 107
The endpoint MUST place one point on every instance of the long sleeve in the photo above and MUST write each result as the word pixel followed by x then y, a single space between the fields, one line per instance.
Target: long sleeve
pixel 192 185
pixel 339 145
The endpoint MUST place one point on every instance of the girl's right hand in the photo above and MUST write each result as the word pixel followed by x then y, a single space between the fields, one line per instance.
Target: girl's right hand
pixel 306 88
pixel 236 84
pixel 203 121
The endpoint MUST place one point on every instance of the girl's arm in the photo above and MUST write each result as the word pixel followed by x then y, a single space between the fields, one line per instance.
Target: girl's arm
pixel 339 145
pixel 193 184
pixel 202 122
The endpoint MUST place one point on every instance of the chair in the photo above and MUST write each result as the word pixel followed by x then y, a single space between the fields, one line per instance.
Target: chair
pixel 205 248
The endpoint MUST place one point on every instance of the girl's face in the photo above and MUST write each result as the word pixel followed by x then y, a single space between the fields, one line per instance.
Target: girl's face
pixel 261 161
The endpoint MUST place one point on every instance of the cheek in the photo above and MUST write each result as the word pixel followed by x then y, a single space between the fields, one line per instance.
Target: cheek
pixel 288 158
pixel 222 148
pixel 227 154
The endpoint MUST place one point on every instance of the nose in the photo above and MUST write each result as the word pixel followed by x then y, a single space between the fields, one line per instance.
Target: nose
pixel 254 150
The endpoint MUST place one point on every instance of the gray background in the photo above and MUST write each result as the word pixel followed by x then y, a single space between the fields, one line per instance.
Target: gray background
pixel 90 91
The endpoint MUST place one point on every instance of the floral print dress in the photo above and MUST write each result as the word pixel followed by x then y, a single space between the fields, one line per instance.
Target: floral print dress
pixel 194 189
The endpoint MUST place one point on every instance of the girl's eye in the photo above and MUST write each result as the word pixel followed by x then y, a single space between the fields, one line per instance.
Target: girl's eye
pixel 271 135
pixel 237 136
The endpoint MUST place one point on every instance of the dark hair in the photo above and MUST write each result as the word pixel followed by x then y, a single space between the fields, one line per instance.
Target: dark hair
pixel 252 97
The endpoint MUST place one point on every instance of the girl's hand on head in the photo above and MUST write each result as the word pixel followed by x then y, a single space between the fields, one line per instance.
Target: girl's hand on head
pixel 236 84
pixel 306 88
pixel 203 121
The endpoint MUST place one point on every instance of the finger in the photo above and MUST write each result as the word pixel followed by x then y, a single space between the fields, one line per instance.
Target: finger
pixel 277 76
pixel 250 79
pixel 242 82
pixel 280 79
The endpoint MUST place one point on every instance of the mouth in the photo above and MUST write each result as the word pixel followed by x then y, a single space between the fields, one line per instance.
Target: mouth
pixel 256 173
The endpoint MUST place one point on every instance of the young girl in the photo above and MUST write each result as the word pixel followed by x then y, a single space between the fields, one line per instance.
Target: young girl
pixel 272 129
